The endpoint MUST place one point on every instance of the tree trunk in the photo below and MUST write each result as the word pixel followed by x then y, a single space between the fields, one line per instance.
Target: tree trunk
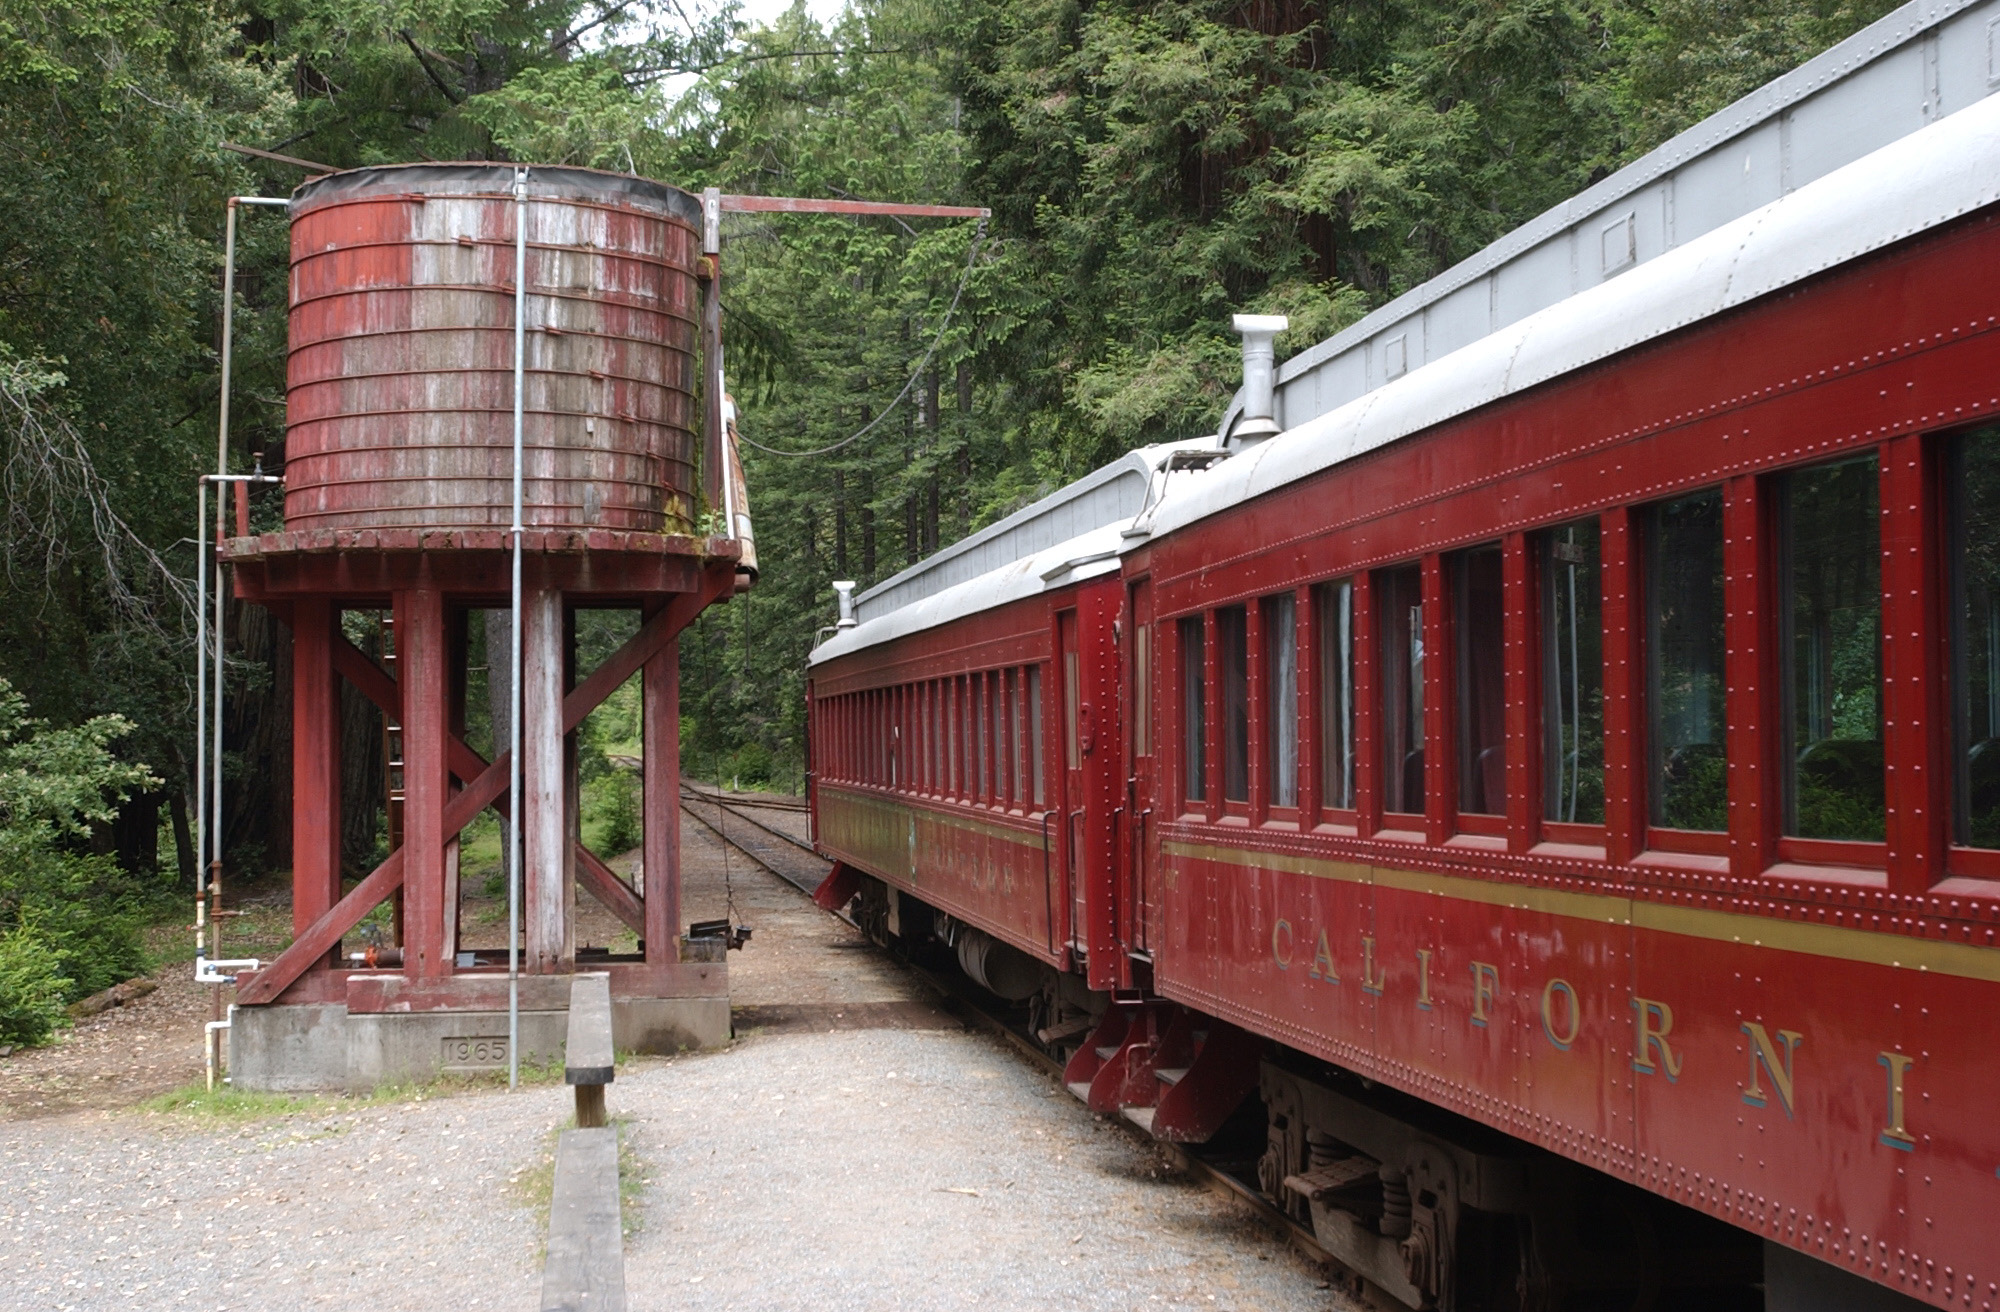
pixel 184 856
pixel 840 524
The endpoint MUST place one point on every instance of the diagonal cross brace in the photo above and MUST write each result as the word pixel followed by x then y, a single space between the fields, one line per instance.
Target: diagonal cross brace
pixel 603 883
pixel 653 635
pixel 320 936
pixel 374 683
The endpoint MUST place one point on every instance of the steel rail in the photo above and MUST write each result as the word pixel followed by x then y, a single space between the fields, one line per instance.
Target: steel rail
pixel 767 803
pixel 731 808
pixel 754 859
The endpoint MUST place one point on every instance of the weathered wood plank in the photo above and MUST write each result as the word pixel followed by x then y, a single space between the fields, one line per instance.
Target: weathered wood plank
pixel 374 683
pixel 653 636
pixel 545 838
pixel 364 897
pixel 603 883
pixel 316 942
pixel 421 661
pixel 660 877
pixel 587 1054
pixel 585 1271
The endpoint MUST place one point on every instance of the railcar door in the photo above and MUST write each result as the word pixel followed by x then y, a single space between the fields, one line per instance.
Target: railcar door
pixel 1135 856
pixel 1069 678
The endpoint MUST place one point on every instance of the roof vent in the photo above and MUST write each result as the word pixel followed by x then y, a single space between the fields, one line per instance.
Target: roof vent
pixel 844 593
pixel 1259 374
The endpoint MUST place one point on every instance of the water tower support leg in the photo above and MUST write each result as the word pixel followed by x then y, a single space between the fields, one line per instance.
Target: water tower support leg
pixel 661 803
pixel 420 667
pixel 544 775
pixel 315 761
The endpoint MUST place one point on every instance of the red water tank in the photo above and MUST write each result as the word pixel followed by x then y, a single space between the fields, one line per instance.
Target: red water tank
pixel 399 401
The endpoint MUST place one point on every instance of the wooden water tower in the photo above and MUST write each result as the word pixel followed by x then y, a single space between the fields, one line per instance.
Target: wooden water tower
pixel 401 396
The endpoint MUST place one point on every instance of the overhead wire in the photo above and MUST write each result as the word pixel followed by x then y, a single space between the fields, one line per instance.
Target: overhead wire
pixel 937 340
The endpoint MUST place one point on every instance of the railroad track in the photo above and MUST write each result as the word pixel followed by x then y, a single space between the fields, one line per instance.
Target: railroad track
pixel 962 998
pixel 768 848
pixel 766 803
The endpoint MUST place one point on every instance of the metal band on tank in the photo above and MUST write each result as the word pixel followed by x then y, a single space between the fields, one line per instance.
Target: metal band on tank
pixel 496 181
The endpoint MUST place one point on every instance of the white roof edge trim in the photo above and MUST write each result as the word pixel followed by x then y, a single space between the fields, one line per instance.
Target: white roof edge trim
pixel 1087 555
pixel 1919 182
pixel 1140 460
pixel 1879 38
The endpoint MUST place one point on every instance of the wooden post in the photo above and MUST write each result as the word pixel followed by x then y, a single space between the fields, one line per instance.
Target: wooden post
pixel 589 1061
pixel 455 675
pixel 661 701
pixel 545 853
pixel 315 762
pixel 420 669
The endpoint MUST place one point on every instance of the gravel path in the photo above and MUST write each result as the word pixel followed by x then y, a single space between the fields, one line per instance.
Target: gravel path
pixel 856 1148
pixel 919 1169
pixel 402 1205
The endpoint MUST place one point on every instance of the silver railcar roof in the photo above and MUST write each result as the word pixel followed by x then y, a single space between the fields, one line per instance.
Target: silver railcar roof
pixel 1114 492
pixel 1085 556
pixel 1912 67
pixel 1927 179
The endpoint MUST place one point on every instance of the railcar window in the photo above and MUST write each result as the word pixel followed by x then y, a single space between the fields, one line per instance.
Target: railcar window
pixel 1281 697
pixel 1232 641
pixel 1194 710
pixel 1142 689
pixel 1573 675
pixel 1072 711
pixel 1831 572
pixel 1685 742
pixel 1482 696
pixel 1400 674
pixel 1333 611
pixel 1035 732
pixel 1975 585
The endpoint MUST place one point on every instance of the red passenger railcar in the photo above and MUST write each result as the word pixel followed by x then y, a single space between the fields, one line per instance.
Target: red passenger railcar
pixel 938 769
pixel 1580 753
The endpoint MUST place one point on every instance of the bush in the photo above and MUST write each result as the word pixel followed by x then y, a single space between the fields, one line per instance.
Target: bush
pixel 614 804
pixel 32 987
pixel 69 922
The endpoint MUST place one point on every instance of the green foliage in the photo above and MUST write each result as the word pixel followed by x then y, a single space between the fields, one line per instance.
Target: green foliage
pixel 1154 165
pixel 611 807
pixel 68 926
pixel 32 987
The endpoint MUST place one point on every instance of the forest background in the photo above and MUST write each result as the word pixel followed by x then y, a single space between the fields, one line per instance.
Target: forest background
pixel 1152 165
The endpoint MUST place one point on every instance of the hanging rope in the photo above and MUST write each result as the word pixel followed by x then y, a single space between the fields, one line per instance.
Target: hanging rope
pixel 972 258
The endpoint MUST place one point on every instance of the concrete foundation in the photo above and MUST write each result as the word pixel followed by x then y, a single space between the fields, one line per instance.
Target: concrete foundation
pixel 322 1046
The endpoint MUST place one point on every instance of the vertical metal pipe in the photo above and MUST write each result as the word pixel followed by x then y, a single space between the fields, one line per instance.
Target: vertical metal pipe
pixel 514 719
pixel 201 717
pixel 213 857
